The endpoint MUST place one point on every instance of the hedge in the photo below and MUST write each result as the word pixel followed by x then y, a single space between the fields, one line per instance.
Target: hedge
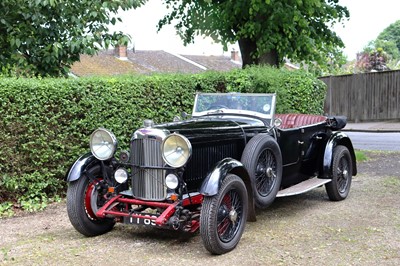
pixel 45 123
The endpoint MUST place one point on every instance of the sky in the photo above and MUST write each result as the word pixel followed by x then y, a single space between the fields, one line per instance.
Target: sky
pixel 141 25
pixel 368 18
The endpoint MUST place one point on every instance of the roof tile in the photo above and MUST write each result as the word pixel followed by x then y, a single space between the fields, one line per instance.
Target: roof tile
pixel 146 62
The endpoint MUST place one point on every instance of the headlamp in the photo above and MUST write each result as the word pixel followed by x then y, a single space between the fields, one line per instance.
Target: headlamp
pixel 176 150
pixel 121 175
pixel 171 181
pixel 103 144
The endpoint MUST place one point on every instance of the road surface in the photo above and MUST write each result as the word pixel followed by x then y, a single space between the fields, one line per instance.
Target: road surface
pixel 375 141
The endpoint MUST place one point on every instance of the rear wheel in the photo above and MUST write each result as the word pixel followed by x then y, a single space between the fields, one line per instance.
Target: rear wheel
pixel 342 171
pixel 84 198
pixel 223 216
pixel 263 160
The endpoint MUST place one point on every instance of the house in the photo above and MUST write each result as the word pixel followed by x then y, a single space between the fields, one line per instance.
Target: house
pixel 122 61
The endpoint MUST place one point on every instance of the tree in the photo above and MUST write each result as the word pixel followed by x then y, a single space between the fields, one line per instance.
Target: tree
pixel 267 30
pixel 372 60
pixel 391 34
pixel 383 52
pixel 389 41
pixel 45 37
pixel 334 63
pixel 389 47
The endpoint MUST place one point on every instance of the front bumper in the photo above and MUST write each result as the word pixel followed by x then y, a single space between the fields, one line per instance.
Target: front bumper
pixel 120 208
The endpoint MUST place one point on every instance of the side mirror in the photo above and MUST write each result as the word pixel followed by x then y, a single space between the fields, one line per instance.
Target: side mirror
pixel 178 118
pixel 277 122
pixel 184 115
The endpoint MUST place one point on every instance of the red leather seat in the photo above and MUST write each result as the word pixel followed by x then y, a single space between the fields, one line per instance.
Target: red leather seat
pixel 299 120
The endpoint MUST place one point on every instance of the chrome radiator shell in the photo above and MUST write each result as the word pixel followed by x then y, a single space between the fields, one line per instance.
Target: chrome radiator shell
pixel 148 180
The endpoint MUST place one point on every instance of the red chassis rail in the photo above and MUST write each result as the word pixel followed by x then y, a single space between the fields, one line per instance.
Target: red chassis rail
pixel 161 220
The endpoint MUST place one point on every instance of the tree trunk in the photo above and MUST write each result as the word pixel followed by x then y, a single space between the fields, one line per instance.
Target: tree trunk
pixel 248 48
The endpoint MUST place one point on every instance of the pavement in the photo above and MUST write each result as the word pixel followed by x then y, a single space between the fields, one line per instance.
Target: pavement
pixel 378 126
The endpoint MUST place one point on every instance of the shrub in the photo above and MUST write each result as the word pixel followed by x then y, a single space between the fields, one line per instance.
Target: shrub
pixel 46 123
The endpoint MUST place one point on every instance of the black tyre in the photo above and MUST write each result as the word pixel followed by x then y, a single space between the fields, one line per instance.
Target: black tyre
pixel 83 201
pixel 263 160
pixel 223 216
pixel 342 171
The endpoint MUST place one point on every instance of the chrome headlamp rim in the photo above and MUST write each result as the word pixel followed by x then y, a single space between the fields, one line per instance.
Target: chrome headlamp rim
pixel 103 144
pixel 179 155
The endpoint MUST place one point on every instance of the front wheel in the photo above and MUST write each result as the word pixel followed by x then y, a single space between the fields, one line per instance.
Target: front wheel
pixel 84 198
pixel 342 171
pixel 223 216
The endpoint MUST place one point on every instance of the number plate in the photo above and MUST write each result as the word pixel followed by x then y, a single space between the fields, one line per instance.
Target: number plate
pixel 141 221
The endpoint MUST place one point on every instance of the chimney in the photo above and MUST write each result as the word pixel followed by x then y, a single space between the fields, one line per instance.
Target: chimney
pixel 235 56
pixel 120 51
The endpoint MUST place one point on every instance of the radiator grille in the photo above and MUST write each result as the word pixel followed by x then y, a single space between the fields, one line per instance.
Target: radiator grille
pixel 204 157
pixel 147 184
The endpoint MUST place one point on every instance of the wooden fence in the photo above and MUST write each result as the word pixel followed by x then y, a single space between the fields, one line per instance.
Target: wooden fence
pixel 364 97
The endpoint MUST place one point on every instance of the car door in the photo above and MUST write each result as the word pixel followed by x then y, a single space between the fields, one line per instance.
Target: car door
pixel 290 143
pixel 312 148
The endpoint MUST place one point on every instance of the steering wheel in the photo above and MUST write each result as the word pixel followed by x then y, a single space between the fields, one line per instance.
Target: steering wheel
pixel 218 106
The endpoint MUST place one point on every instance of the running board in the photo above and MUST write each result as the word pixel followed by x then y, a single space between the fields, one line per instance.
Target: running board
pixel 303 187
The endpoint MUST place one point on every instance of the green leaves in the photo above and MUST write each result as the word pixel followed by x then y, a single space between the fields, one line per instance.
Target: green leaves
pixel 45 37
pixel 389 41
pixel 46 123
pixel 295 29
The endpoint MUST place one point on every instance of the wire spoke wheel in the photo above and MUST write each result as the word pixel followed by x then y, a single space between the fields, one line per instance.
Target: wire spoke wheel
pixel 265 174
pixel 84 199
pixel 229 216
pixel 94 199
pixel 263 160
pixel 223 216
pixel 342 171
pixel 343 174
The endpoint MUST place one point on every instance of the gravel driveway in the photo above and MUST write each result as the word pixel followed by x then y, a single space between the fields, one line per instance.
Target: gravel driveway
pixel 300 230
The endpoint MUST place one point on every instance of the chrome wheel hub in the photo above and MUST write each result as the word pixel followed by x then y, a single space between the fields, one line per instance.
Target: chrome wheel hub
pixel 233 216
pixel 345 173
pixel 269 172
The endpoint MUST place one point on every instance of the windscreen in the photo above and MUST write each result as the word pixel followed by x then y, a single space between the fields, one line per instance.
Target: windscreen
pixel 257 104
